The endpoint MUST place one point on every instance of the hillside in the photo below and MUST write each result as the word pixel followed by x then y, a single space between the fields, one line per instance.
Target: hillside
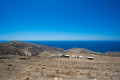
pixel 47 67
pixel 24 48
pixel 112 54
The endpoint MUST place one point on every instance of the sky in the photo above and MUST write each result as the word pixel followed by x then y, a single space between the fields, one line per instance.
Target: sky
pixel 59 19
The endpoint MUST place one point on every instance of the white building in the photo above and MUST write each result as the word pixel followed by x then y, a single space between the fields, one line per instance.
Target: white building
pixel 60 55
pixel 81 57
pixel 73 56
pixel 67 56
pixel 90 58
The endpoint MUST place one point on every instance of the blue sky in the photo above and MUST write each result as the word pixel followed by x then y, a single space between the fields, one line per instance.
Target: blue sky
pixel 59 20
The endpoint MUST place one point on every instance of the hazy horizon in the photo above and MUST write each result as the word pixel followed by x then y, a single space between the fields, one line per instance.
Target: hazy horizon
pixel 59 40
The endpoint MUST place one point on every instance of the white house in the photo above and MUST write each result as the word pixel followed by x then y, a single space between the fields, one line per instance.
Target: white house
pixel 67 56
pixel 73 56
pixel 81 57
pixel 60 55
pixel 90 58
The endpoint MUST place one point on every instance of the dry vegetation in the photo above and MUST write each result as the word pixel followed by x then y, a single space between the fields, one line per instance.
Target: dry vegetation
pixel 43 67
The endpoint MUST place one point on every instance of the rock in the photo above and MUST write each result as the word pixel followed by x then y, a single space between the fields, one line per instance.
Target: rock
pixel 26 78
pixel 60 78
pixel 42 67
pixel 56 78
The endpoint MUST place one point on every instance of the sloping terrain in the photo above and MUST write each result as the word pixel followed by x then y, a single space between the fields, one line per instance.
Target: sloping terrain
pixel 44 67
pixel 47 67
pixel 112 54
pixel 24 48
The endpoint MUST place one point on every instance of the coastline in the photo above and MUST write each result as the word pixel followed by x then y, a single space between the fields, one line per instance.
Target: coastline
pixel 97 46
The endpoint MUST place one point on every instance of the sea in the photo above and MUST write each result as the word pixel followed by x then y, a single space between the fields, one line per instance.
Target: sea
pixel 97 46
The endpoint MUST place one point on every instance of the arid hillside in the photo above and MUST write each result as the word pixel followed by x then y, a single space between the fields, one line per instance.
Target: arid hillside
pixel 24 48
pixel 46 65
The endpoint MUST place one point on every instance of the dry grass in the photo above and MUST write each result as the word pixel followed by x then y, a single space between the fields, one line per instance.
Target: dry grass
pixel 46 68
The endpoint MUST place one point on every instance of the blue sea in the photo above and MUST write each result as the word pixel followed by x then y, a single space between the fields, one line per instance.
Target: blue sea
pixel 97 46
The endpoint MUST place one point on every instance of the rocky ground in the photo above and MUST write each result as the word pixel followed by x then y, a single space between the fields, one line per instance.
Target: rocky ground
pixel 28 61
pixel 44 67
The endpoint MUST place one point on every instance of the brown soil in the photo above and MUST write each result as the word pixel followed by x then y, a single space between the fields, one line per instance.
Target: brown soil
pixel 43 67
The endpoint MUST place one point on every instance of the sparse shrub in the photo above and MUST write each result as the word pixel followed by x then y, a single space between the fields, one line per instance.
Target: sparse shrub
pixel 63 55
pixel 117 70
pixel 51 74
pixel 68 72
pixel 36 69
pixel 10 68
pixel 30 67
pixel 57 71
pixel 88 73
pixel 10 64
pixel 81 73
pixel 66 66
pixel 106 74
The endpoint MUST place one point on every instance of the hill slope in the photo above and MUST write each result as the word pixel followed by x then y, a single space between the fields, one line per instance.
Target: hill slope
pixel 24 48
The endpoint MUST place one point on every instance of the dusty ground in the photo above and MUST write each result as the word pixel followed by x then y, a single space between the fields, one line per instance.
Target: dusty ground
pixel 44 67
